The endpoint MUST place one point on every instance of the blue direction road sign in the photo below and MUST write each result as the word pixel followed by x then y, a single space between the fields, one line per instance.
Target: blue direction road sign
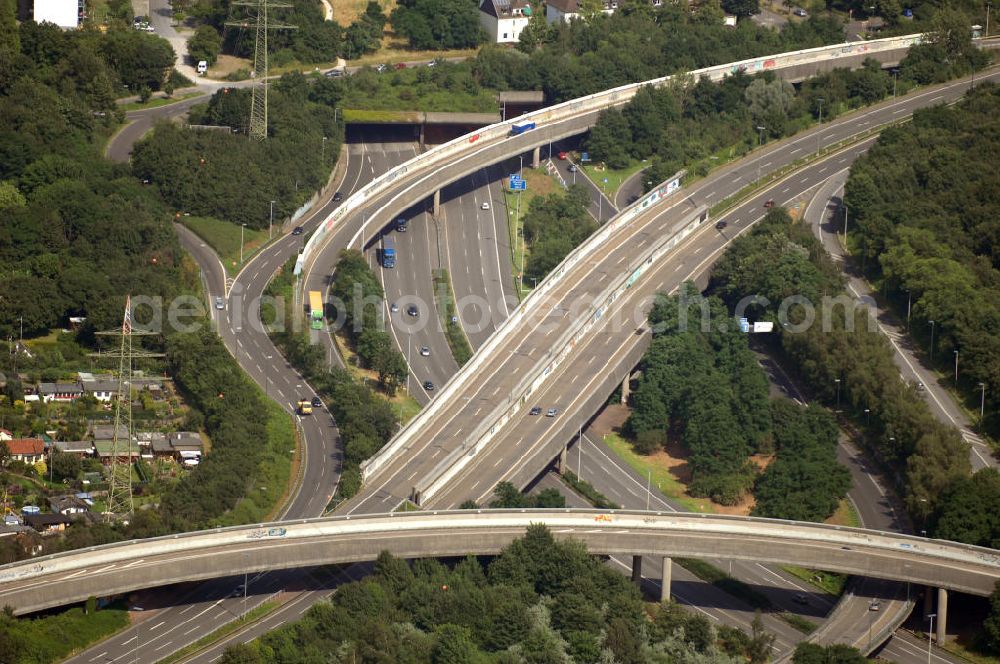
pixel 518 185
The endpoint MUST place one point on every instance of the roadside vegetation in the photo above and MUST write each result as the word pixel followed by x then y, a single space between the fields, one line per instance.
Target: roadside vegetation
pixel 444 298
pixel 540 600
pixel 53 638
pixel 225 239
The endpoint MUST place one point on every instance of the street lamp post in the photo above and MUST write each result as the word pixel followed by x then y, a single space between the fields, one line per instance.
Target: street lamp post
pixel 760 142
pixel 837 381
pixel 895 73
pixel 845 224
pixel 932 339
pixel 246 581
pixel 649 476
pixel 868 416
pixel 322 154
pixel 242 226
pixel 909 302
pixel 956 368
pixel 820 100
pixel 982 403
pixel 270 222
pixel 931 617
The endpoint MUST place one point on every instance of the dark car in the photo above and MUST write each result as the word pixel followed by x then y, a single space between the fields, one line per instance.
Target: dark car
pixel 338 197
pixel 537 410
pixel 428 385
pixel 334 73
pixel 317 402
pixel 801 598
pixel 298 230
pixel 572 168
pixel 769 204
pixel 720 225
pixel 412 310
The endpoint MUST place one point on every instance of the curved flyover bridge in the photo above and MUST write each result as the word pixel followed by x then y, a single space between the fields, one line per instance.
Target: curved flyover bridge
pixel 120 568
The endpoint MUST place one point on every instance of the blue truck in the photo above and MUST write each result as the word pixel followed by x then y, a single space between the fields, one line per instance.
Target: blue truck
pixel 388 253
pixel 521 127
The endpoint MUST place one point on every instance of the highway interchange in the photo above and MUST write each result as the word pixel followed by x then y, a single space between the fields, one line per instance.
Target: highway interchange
pixel 265 365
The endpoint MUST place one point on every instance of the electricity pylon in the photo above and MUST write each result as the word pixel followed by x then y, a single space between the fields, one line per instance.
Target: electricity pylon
pixel 258 103
pixel 120 480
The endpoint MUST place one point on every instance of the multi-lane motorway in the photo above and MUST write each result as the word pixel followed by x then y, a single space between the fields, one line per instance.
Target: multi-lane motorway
pixel 287 385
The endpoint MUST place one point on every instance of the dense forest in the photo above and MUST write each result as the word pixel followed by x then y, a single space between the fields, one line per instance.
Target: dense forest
pixel 924 213
pixel 78 232
pixel 224 175
pixel 840 356
pixel 702 387
pixel 540 601
pixel 692 124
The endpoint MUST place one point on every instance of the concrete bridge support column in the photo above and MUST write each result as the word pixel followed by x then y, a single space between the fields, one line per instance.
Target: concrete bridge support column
pixel 636 569
pixel 423 129
pixel 942 615
pixel 665 579
pixel 536 157
pixel 436 208
pixel 561 464
pixel 625 389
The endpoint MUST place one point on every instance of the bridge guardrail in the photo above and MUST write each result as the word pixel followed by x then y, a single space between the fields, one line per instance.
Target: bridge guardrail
pixel 427 162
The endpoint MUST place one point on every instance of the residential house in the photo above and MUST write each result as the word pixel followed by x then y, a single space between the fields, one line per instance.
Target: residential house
pixel 28 450
pixel 68 505
pixel 504 20
pixel 64 392
pixel 150 442
pixel 5 435
pixel 81 448
pixel 102 388
pixel 127 451
pixel 106 432
pixel 180 445
pixel 47 523
pixel 67 14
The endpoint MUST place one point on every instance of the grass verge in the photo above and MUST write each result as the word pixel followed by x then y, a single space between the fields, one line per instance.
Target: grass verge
pixel 407 506
pixel 252 615
pixel 712 574
pixel 224 238
pixel 971 653
pixel 615 176
pixel 825 581
pixel 804 625
pixel 586 489
pixel 661 476
pixel 539 183
pixel 444 298
pixel 845 515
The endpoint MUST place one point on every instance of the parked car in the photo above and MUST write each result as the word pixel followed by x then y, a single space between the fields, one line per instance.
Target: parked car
pixel 425 351
pixel 719 225
pixel 380 68
pixel 334 73
pixel 537 410
pixel 428 385
pixel 298 230
pixel 551 412
pixel 400 65
pixel 800 12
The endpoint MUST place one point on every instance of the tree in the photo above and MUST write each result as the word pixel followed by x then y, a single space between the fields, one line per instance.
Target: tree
pixel 205 44
pixel 10 196
pixel 812 653
pixel 611 139
pixel 770 103
pixel 991 626
pixel 741 8
pixel 454 646
pixel 65 466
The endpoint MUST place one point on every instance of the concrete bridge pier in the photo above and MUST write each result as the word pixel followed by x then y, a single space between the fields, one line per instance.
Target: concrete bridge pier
pixel 636 569
pixel 942 615
pixel 436 206
pixel 536 157
pixel 625 389
pixel 561 463
pixel 666 579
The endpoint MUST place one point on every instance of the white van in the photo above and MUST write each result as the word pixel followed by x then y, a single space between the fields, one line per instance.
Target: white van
pixel 202 67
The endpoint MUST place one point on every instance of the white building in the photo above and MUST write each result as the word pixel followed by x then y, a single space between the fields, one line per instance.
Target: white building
pixel 64 13
pixel 504 20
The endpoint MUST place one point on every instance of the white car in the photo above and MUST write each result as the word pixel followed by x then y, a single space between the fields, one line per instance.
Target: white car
pixel 485 205
pixel 425 351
